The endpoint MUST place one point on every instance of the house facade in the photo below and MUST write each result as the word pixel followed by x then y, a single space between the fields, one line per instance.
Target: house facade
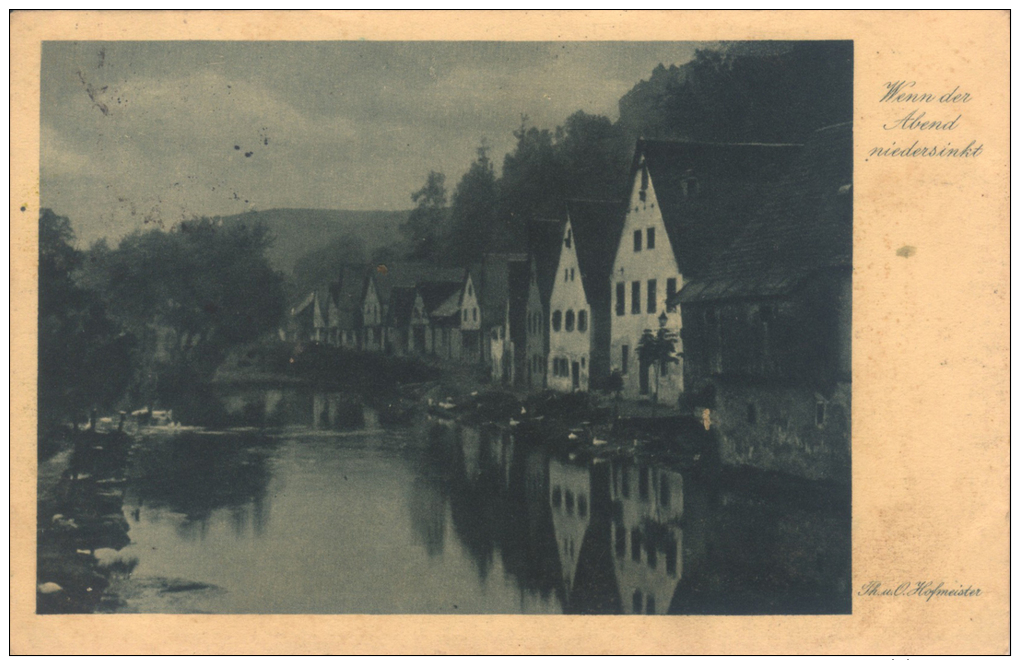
pixel 688 201
pixel 373 337
pixel 578 317
pixel 544 240
pixel 470 322
pixel 569 335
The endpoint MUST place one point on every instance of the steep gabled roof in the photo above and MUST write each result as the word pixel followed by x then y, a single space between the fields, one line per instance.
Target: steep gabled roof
pixel 440 298
pixel 544 242
pixel 596 227
pixel 708 191
pixel 492 282
pixel 410 273
pixel 398 312
pixel 804 224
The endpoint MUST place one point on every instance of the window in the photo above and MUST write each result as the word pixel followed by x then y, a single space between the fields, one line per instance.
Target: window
pixel 637 240
pixel 752 414
pixel 635 297
pixel 474 314
pixel 643 474
pixel 566 241
pixel 671 557
pixel 651 557
pixel 582 363
pixel 568 322
pixel 620 302
pixel 650 238
pixel 625 483
pixel 636 601
pixel 670 292
pixel 624 358
pixel 568 501
pixel 652 286
pixel 556 318
pixel 582 322
pixel 571 274
pixel 635 544
pixel 464 315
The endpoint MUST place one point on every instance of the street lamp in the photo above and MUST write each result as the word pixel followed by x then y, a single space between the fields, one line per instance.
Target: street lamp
pixel 662 320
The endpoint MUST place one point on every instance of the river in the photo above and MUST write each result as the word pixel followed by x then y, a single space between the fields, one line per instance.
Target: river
pixel 305 517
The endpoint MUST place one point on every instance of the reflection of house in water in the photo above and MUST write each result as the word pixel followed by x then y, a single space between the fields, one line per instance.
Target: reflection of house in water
pixel 646 536
pixel 570 500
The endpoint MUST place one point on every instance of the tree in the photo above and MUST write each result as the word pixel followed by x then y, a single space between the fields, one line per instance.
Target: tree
pixel 425 224
pixel 658 348
pixel 532 184
pixel 189 295
pixel 594 155
pixel 473 230
pixel 84 355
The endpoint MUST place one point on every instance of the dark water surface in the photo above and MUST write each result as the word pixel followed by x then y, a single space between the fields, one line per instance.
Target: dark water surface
pixel 442 518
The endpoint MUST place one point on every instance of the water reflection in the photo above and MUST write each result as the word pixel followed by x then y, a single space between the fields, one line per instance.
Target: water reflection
pixel 453 518
pixel 195 474
pixel 646 535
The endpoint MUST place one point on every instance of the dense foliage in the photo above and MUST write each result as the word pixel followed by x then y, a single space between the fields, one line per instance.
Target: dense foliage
pixel 148 322
pixel 743 92
pixel 84 355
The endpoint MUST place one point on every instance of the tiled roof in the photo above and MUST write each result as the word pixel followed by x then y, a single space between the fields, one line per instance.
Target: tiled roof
pixel 544 236
pixel 398 312
pixel 410 273
pixel 596 234
pixel 708 191
pixel 805 223
pixel 492 281
pixel 436 295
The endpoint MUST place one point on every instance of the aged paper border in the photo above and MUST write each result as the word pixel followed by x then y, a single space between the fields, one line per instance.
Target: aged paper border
pixel 930 353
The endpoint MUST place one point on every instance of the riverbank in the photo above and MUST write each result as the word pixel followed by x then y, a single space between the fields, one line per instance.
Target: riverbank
pixel 81 525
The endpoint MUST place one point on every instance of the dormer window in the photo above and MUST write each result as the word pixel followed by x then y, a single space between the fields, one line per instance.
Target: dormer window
pixel 637 240
pixel 566 241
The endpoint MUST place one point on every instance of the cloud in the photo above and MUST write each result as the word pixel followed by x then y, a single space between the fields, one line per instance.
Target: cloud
pixel 137 132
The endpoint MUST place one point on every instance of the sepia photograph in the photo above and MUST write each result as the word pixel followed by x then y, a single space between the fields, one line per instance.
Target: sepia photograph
pixel 425 327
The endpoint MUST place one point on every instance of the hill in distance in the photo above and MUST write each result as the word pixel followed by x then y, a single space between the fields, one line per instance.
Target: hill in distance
pixel 298 232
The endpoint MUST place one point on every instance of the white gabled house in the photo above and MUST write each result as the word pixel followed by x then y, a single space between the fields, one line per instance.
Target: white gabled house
pixel 579 302
pixel 688 201
pixel 470 322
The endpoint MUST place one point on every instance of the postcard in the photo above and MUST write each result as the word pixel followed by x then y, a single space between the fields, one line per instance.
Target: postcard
pixel 510 332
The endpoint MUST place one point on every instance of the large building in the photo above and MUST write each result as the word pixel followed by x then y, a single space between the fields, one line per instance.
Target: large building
pixel 767 323
pixel 688 201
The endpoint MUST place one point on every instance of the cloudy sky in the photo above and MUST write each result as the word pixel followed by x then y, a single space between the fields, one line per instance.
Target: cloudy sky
pixel 137 132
